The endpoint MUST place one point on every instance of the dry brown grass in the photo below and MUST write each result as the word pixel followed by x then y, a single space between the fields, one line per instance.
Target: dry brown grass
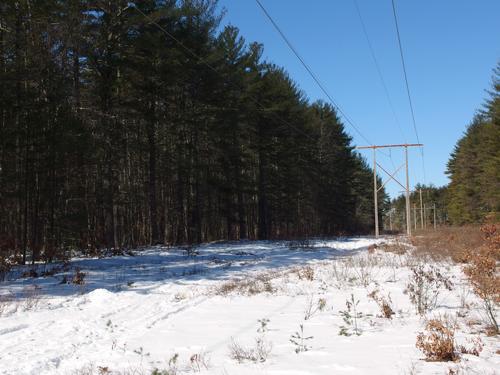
pixel 249 286
pixel 258 353
pixel 398 247
pixel 305 273
pixel 91 369
pixel 447 242
pixel 475 348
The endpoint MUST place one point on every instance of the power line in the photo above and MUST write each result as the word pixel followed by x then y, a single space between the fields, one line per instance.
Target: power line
pixel 406 82
pixel 201 60
pixel 423 164
pixel 311 73
pixel 404 70
pixel 379 71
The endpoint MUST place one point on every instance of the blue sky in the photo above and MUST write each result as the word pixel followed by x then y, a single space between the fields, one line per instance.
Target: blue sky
pixel 450 46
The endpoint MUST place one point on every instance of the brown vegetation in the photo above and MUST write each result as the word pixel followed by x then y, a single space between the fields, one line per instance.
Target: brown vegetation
pixel 258 353
pixel 248 286
pixel 424 285
pixel 397 247
pixel 384 303
pixel 438 342
pixel 78 277
pixel 306 273
pixel 482 272
pixel 447 242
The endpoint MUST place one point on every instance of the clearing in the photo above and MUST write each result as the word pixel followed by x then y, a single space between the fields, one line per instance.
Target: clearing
pixel 234 309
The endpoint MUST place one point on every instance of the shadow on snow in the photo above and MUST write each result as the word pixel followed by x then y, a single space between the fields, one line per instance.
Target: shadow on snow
pixel 216 261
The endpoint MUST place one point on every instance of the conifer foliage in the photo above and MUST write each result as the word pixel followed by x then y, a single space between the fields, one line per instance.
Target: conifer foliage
pixel 113 135
pixel 474 165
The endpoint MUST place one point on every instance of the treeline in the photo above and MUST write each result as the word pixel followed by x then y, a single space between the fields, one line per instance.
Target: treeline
pixel 114 134
pixel 474 165
pixel 434 207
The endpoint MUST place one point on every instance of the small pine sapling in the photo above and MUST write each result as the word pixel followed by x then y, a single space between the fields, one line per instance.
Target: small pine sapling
pixel 263 325
pixel 299 339
pixel 350 317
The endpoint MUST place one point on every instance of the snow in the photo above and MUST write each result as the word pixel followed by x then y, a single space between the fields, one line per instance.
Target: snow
pixel 134 313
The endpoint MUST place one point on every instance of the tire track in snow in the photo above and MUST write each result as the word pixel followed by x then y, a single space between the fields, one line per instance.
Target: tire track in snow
pixel 251 326
pixel 19 327
pixel 180 309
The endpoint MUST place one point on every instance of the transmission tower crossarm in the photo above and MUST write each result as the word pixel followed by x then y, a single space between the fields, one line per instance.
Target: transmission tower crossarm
pixel 390 146
pixel 391 176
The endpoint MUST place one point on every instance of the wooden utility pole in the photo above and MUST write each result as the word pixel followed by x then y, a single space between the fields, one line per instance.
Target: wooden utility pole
pixel 434 216
pixel 415 215
pixel 375 198
pixel 421 212
pixel 408 213
pixel 425 215
pixel 391 177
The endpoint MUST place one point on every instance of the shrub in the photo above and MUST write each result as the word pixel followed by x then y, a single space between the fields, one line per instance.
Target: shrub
pixel 438 342
pixel 51 271
pixel 5 266
pixel 313 307
pixel 31 296
pixel 365 268
pixel 78 277
pixel 172 367
pixel 199 361
pixel 482 273
pixel 5 301
pixel 31 273
pixel 341 271
pixel 91 369
pixel 303 244
pixel 249 286
pixel 258 353
pixel 424 286
pixel 383 303
pixel 306 273
pixel 372 248
pixel 8 255
pixel 191 250
pixel 396 247
pixel 475 349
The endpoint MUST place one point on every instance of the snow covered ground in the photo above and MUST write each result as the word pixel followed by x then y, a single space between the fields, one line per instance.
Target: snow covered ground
pixel 189 313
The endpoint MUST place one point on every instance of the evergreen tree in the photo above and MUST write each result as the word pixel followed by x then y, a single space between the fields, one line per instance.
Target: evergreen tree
pixel 116 132
pixel 474 165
